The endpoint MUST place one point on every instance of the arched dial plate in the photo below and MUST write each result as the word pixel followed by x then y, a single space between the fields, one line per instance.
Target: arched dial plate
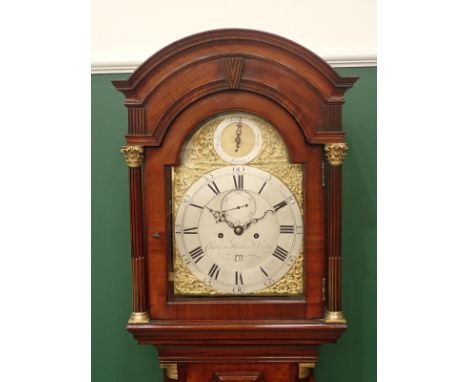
pixel 238 229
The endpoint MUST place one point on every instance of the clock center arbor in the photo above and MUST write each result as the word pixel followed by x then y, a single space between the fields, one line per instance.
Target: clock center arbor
pixel 234 150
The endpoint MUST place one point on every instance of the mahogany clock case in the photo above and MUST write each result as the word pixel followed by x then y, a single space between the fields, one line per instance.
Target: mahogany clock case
pixel 160 290
pixel 171 94
pixel 111 292
pixel 199 77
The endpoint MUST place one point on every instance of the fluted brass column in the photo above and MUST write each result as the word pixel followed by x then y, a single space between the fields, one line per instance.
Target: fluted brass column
pixel 335 153
pixel 134 157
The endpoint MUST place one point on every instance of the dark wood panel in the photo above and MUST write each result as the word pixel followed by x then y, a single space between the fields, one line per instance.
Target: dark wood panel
pixel 239 332
pixel 277 69
pixel 139 302
pixel 209 353
pixel 334 239
pixel 136 120
pixel 238 372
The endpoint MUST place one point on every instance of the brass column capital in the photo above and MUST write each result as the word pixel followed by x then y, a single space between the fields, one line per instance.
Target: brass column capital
pixel 304 369
pixel 335 153
pixel 171 370
pixel 133 155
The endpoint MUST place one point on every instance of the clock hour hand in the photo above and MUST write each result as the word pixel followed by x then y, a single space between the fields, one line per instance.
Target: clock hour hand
pixel 218 215
pixel 221 217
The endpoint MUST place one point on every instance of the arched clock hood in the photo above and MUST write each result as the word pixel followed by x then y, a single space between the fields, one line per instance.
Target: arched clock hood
pixel 174 92
pixel 213 63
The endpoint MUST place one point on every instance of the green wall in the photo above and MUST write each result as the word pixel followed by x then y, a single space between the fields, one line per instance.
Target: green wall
pixel 116 356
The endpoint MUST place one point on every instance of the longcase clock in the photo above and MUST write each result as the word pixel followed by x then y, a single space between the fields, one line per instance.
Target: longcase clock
pixel 234 150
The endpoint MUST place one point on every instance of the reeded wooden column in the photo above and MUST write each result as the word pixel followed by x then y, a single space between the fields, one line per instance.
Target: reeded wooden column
pixel 335 153
pixel 134 157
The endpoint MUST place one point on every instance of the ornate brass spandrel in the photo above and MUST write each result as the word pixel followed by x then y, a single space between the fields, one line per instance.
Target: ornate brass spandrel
pixel 200 150
pixel 184 176
pixel 133 155
pixel 335 153
pixel 291 284
pixel 199 157
pixel 187 284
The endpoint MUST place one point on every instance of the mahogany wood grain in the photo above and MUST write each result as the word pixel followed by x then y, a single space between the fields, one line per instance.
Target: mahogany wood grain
pixel 238 376
pixel 334 201
pixel 168 97
pixel 136 120
pixel 260 372
pixel 273 67
pixel 139 302
pixel 236 332
pixel 161 303
pixel 309 378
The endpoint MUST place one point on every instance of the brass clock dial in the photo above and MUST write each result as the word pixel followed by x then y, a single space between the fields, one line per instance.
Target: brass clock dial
pixel 237 139
pixel 238 229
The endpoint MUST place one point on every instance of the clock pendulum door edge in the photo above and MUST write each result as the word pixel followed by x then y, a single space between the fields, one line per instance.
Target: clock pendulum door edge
pixel 335 153
pixel 134 157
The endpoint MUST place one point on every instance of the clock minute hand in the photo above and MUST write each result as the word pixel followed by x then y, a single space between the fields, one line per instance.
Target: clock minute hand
pixel 235 208
pixel 255 220
pixel 214 212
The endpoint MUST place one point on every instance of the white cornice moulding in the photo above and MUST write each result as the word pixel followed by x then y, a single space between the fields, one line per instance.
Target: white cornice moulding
pixel 352 62
pixel 129 67
pixel 114 67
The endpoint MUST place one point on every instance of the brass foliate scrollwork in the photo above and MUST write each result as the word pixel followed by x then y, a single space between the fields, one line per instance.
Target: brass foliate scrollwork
pixel 335 153
pixel 133 155
pixel 198 158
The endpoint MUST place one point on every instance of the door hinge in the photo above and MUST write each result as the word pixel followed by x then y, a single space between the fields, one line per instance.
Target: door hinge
pixel 169 206
pixel 324 289
pixel 323 174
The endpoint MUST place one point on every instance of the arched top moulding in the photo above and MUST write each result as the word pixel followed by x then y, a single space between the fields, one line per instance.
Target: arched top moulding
pixel 261 64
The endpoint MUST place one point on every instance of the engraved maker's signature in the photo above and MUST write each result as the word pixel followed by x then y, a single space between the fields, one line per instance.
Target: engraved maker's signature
pixel 239 245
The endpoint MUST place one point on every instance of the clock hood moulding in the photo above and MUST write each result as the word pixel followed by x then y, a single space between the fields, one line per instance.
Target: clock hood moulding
pixel 208 64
